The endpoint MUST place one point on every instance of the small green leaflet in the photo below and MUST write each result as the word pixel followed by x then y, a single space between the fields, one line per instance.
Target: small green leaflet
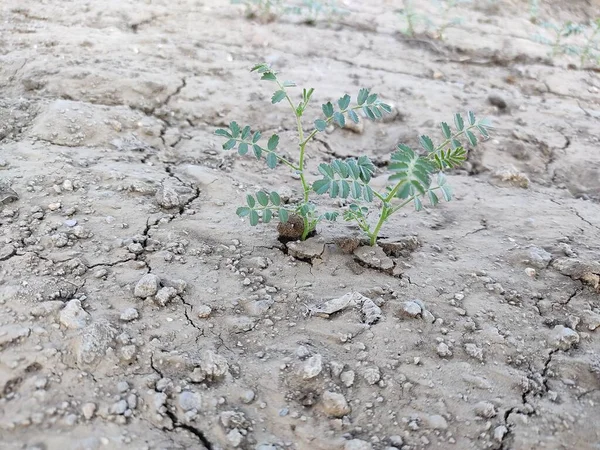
pixel 339 119
pixel 320 124
pixel 363 94
pixel 250 200
pixel 344 102
pixel 229 144
pixel 371 99
pixel 283 215
pixel 267 215
pixel 459 122
pixel 471 138
pixel 235 129
pixel 277 97
pixel 472 120
pixel 243 148
pixel 254 218
pixel 272 160
pixel 263 199
pixel 353 116
pixel 426 143
pixel 275 198
pixel 222 132
pixel 446 130
pixel 273 142
pixel 327 109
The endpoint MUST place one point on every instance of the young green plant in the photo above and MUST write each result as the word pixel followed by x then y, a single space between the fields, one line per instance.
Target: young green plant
pixel 560 32
pixel 591 50
pixel 411 180
pixel 266 206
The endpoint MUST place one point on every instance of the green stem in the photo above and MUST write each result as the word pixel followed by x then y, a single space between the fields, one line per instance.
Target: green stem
pixel 387 211
pixel 300 169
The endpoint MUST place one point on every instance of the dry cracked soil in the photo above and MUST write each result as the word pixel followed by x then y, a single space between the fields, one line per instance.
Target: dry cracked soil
pixel 137 311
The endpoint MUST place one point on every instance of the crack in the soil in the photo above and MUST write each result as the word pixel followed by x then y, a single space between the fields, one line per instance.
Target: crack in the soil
pixel 575 293
pixel 189 428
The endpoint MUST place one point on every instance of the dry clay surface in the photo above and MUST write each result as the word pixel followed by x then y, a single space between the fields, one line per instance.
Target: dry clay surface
pixel 138 312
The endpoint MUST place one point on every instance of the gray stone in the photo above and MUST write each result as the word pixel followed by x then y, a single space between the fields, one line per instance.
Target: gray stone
pixel 147 286
pixel 334 404
pixel 485 410
pixel 563 338
pixel 235 438
pixel 473 351
pixel 347 378
pixel 497 100
pixel 122 386
pixel 313 367
pixel 410 309
pixel 129 314
pixel 93 341
pixel 247 396
pixel 538 257
pixel 372 375
pixel 371 312
pixel 212 367
pixel 499 433
pixel 335 305
pixel 167 197
pixel 435 422
pixel 88 410
pixel 357 444
pixel 73 316
pixel 443 350
pixel 203 311
pixel 241 324
pixel 119 407
pixel 165 295
pixel 190 400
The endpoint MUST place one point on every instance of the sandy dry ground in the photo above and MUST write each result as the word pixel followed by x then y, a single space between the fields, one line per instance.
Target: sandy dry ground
pixel 107 114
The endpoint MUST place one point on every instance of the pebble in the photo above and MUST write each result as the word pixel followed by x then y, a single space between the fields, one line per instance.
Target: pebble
pixel 71 223
pixel 204 311
pixel 428 317
pixel 485 410
pixel 165 295
pixel 54 206
pixel 372 375
pixel 129 314
pixel 474 352
pixel 335 405
pixel 443 350
pixel 119 407
pixel 591 319
pixel 190 400
pixel 436 422
pixel 302 352
pixel 410 309
pixel 538 257
pixel 235 438
pixel 336 368
pixel 347 378
pixel 128 352
pixel 371 312
pixel 247 397
pixel 73 316
pixel 563 338
pixel 122 386
pixel 147 286
pixel 88 410
pixel 499 433
pixel 357 444
pixel 496 100
pixel 135 248
pixel 312 367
